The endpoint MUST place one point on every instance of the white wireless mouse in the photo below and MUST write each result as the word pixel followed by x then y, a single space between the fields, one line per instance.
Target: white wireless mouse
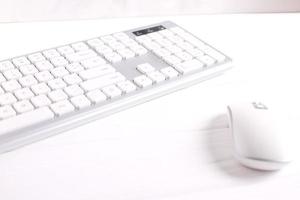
pixel 261 136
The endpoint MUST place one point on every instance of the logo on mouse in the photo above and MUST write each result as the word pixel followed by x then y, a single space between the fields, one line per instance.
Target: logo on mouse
pixel 259 105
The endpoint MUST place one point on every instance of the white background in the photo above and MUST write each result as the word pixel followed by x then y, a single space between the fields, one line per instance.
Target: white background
pixel 20 10
pixel 175 147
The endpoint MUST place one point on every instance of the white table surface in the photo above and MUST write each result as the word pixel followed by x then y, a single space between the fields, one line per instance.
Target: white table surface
pixel 177 146
pixel 20 10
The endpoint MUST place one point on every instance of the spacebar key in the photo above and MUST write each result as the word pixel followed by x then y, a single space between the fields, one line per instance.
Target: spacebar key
pixel 25 120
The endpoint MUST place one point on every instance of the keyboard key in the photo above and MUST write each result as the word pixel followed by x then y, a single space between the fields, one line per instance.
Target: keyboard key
pixel 108 39
pixel 207 60
pixel 145 68
pixel 167 33
pixel 184 56
pixel 43 65
pixel 40 88
pixel 169 72
pixel 40 101
pixel 126 53
pixel 164 42
pixel 36 57
pixel 80 46
pixel 162 52
pixel 185 46
pixel 142 81
pixel 72 79
pixel 59 61
pixel 193 40
pixel 130 43
pixel 59 72
pixel 95 42
pixel 2 79
pixel 80 102
pixel 62 107
pixel 57 95
pixel 6 112
pixel 155 36
pixel 175 39
pixel 196 52
pixel 156 76
pixel 6 65
pixel 177 30
pixel 7 98
pixel 152 45
pixel 12 74
pixel 44 76
pixel 189 66
pixel 126 86
pixel 95 72
pixel 172 60
pixel 81 55
pixel 173 49
pixel 57 83
pixel 96 96
pixel 73 90
pixel 214 53
pixel 121 36
pixel 93 62
pixel 51 53
pixel 65 50
pixel 24 93
pixel 21 61
pixel 28 69
pixel 23 106
pixel 11 85
pixel 143 39
pixel 139 50
pixel 116 45
pixel 111 91
pixel 25 120
pixel 102 81
pixel 74 67
pixel 113 57
pixel 104 49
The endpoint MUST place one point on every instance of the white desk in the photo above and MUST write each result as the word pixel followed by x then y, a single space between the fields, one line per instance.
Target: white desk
pixel 175 147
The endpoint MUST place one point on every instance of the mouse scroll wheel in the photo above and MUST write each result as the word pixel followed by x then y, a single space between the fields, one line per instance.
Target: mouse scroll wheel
pixel 259 105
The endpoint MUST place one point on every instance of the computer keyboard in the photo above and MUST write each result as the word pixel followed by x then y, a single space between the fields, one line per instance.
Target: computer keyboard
pixel 48 92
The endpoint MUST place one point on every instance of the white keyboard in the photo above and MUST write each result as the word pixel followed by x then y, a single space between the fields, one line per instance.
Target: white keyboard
pixel 47 92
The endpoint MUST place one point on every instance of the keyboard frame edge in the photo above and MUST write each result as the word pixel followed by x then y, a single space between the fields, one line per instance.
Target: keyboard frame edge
pixel 73 120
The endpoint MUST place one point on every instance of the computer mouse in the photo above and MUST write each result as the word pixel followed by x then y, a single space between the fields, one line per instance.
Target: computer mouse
pixel 262 136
